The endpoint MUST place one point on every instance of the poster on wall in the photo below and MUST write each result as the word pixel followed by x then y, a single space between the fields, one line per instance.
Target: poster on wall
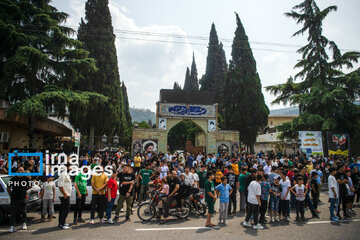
pixel 311 142
pixel 212 125
pixel 162 123
pixel 338 143
pixel 235 148
pixel 149 146
pixel 137 145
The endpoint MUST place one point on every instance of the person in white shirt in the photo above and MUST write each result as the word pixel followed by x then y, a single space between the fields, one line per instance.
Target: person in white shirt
pixel 333 193
pixel 164 170
pixel 254 192
pixel 65 185
pixel 285 196
pixel 196 178
pixel 189 177
pixel 267 168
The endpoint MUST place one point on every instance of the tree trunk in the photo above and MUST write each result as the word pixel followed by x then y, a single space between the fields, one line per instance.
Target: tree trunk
pixel 91 137
pixel 32 142
pixel 252 148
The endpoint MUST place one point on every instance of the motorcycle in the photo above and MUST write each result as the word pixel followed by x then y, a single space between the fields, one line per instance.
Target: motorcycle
pixel 153 208
pixel 197 203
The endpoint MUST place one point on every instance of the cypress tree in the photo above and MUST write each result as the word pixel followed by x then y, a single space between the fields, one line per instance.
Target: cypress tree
pixel 126 104
pixel 176 86
pixel 194 82
pixel 244 105
pixel 219 76
pixel 187 79
pixel 99 39
pixel 208 80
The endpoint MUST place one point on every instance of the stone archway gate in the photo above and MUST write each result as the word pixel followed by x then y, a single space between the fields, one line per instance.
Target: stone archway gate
pixel 169 114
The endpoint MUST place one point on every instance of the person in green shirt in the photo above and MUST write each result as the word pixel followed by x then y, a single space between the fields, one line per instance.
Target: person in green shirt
pixel 202 177
pixel 81 194
pixel 242 183
pixel 145 175
pixel 210 197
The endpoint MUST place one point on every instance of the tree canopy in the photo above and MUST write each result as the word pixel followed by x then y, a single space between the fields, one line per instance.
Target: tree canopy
pixel 324 93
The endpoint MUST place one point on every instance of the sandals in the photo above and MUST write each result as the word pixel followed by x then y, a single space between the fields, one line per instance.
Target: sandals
pixel 210 225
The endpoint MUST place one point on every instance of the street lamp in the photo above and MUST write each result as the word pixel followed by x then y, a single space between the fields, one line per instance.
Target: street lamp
pixel 104 138
pixel 116 139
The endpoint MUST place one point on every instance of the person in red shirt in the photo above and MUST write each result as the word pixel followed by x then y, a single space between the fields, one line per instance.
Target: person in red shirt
pixel 111 195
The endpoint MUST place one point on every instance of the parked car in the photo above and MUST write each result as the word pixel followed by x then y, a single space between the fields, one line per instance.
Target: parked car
pixel 33 196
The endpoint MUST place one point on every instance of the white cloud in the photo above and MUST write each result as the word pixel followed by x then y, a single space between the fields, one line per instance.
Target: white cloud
pixel 145 64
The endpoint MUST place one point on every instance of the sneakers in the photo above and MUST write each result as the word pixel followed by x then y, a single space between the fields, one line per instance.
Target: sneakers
pixel 277 219
pixel 272 219
pixel 92 221
pixel 246 224
pixel 128 219
pixel 288 218
pixel 64 227
pixel 24 227
pixel 116 218
pixel 110 221
pixel 258 227
pixel 102 221
pixel 334 219
pixel 11 230
pixel 75 222
pixel 80 220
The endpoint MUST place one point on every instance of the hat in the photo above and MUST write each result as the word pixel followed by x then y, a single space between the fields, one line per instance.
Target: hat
pixel 277 177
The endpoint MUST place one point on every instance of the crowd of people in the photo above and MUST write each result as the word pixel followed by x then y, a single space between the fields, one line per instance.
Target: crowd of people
pixel 265 182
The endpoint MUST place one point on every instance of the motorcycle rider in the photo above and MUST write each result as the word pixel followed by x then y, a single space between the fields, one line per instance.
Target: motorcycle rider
pixel 174 185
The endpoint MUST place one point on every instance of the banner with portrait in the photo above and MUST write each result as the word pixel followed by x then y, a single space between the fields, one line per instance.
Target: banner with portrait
pixel 162 123
pixel 212 125
pixel 338 143
pixel 137 146
pixel 311 142
pixel 149 146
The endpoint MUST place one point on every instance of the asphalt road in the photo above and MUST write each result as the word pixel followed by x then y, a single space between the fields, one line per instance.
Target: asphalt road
pixel 192 228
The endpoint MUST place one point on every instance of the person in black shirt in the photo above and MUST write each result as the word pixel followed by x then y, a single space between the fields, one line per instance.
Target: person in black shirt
pixel 126 186
pixel 174 185
pixel 315 189
pixel 342 181
pixel 233 181
pixel 17 188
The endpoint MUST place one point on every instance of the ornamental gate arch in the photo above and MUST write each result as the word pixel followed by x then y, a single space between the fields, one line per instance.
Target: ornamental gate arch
pixel 178 105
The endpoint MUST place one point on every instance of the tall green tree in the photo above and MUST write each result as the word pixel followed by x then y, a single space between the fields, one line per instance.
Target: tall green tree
pixel 98 37
pixel 126 104
pixel 219 77
pixel 40 63
pixel 208 80
pixel 323 92
pixel 176 86
pixel 244 105
pixel 187 79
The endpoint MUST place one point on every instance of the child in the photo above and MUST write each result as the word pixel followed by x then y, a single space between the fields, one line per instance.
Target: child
pixel 285 196
pixel 254 193
pixel 48 196
pixel 300 192
pixel 111 192
pixel 275 192
pixel 164 189
pixel 225 191
pixel 210 197
pixel 218 176
pixel 333 193
pixel 350 193
pixel 265 191
pixel 315 189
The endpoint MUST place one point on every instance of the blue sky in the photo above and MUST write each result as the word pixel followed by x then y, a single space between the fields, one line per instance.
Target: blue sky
pixel 150 64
